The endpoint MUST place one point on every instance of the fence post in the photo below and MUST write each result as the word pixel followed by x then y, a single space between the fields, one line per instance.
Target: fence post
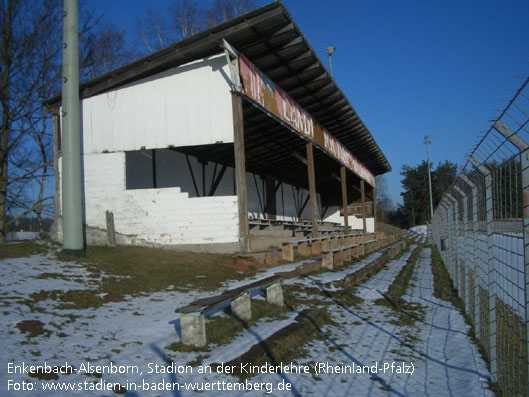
pixel 442 230
pixel 523 147
pixel 455 234
pixel 491 277
pixel 466 260
pixel 448 238
pixel 475 254
pixel 525 186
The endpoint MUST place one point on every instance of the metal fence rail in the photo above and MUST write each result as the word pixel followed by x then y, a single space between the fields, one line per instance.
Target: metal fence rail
pixel 481 228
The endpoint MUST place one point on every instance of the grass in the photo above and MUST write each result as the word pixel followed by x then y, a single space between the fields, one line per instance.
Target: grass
pixel 388 229
pixel 117 272
pixel 32 328
pixel 407 313
pixel 153 269
pixel 22 249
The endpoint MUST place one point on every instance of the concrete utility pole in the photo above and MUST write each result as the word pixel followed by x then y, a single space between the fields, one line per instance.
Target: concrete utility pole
pixel 426 143
pixel 72 205
pixel 330 51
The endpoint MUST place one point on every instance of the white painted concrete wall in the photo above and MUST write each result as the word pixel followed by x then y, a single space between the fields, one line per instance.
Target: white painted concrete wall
pixel 354 222
pixel 164 216
pixel 187 105
pixel 171 215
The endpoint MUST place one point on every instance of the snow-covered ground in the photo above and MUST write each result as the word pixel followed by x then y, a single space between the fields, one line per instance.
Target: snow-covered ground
pixel 437 353
pixel 422 229
pixel 22 236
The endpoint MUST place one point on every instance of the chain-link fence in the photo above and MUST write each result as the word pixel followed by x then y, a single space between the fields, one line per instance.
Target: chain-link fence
pixel 481 228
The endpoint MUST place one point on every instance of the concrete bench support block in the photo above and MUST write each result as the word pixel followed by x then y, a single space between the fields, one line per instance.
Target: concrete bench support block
pixel 273 257
pixel 316 247
pixel 193 328
pixel 347 254
pixel 288 252
pixel 327 260
pixel 242 307
pixel 338 257
pixel 326 244
pixel 304 248
pixel 274 294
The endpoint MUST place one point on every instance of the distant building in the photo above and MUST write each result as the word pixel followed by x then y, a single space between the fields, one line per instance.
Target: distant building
pixel 186 145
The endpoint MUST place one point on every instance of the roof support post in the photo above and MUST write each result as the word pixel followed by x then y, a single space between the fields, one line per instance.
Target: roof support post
pixel 374 209
pixel 363 192
pixel 240 172
pixel 343 178
pixel 270 198
pixel 312 189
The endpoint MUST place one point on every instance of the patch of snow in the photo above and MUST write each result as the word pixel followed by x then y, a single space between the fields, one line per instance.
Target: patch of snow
pixel 22 236
pixel 422 229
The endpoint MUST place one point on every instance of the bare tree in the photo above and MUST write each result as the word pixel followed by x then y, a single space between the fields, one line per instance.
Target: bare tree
pixel 29 48
pixel 154 30
pixel 104 49
pixel 224 10
pixel 184 18
pixel 187 17
pixel 30 72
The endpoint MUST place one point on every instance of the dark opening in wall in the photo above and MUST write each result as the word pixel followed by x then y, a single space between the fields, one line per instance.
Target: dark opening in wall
pixel 140 169
pixel 166 168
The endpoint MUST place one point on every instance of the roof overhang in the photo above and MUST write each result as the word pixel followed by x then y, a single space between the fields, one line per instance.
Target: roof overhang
pixel 271 40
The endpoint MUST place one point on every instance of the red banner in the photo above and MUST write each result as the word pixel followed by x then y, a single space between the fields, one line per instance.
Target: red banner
pixel 258 87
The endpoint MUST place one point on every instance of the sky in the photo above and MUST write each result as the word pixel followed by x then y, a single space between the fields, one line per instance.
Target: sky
pixel 409 68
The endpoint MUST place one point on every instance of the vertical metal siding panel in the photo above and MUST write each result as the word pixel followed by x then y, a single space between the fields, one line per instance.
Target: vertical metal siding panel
pixel 112 126
pixel 137 114
pixel 190 105
pixel 215 119
pixel 223 116
pixel 175 102
pixel 154 105
pixel 207 134
pixel 193 133
pixel 165 93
